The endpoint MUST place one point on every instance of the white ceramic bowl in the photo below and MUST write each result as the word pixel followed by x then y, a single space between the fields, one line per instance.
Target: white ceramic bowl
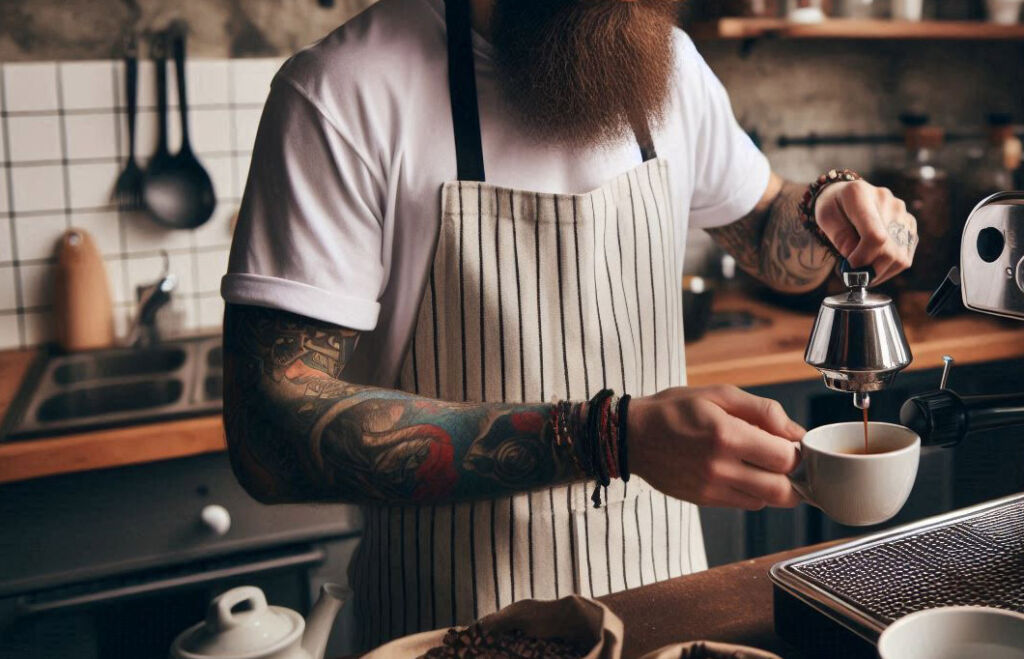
pixel 955 632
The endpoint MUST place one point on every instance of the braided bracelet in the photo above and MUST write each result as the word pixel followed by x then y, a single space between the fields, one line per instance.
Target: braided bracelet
pixel 810 198
pixel 593 434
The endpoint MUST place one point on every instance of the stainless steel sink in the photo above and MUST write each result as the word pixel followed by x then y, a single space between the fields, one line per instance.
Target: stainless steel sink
pixel 107 388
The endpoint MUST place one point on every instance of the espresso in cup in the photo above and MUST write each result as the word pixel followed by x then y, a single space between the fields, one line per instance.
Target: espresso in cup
pixel 853 487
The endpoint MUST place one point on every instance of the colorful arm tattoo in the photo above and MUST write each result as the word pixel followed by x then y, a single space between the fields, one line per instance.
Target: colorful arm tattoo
pixel 772 243
pixel 298 432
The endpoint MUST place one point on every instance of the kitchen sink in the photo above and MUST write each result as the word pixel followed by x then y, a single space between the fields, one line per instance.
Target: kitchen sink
pixel 109 399
pixel 103 366
pixel 116 387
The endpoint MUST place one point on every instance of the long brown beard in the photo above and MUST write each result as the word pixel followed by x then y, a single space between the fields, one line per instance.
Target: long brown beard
pixel 584 72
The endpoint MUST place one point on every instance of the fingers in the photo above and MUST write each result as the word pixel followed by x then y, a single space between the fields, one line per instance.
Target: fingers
pixel 859 204
pixel 764 413
pixel 871 227
pixel 837 228
pixel 761 449
pixel 728 497
pixel 771 488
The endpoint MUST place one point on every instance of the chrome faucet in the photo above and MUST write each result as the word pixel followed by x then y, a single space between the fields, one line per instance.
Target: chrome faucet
pixel 152 298
pixel 989 279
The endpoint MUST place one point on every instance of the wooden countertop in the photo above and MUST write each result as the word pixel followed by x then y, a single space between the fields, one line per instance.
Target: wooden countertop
pixel 764 355
pixel 729 604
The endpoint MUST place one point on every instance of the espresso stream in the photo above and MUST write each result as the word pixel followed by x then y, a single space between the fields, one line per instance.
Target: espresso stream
pixel 868 449
pixel 865 410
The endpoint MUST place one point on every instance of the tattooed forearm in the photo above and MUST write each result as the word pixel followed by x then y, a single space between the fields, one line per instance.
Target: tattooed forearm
pixel 297 431
pixel 772 244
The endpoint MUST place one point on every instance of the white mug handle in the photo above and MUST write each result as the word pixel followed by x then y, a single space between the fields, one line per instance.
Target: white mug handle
pixel 798 479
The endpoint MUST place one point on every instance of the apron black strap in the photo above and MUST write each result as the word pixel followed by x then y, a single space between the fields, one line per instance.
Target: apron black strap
pixel 469 151
pixel 642 130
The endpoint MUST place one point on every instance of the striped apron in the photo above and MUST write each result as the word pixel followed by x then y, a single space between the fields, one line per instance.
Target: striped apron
pixel 533 297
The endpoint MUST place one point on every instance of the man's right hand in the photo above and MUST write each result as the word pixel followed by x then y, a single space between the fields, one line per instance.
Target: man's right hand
pixel 714 446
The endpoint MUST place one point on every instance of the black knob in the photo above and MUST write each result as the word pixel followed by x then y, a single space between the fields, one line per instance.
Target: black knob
pixel 939 417
pixel 844 267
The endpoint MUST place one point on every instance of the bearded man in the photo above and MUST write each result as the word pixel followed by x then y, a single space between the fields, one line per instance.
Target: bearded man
pixel 459 255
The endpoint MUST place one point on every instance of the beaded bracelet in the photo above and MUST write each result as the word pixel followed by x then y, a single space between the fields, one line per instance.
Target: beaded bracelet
pixel 807 202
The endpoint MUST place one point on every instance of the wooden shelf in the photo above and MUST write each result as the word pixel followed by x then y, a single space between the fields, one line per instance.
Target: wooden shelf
pixel 842 28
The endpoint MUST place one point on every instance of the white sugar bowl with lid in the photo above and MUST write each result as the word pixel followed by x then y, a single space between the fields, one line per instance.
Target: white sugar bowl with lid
pixel 239 624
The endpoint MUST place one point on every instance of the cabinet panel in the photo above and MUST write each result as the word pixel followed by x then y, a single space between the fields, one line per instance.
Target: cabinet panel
pixel 83 526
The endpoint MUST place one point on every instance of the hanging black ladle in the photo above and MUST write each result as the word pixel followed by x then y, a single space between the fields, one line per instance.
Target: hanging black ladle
pixel 177 190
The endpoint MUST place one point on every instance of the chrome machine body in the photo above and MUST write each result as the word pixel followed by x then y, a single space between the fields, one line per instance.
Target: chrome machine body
pixel 992 256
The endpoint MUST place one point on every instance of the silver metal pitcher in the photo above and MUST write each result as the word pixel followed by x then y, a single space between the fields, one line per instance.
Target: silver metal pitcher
pixel 857 342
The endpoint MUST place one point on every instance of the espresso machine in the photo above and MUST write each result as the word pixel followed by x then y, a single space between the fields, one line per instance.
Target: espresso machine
pixel 989 279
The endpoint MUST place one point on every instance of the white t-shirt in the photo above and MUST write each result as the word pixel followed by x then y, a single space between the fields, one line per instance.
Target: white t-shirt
pixel 343 199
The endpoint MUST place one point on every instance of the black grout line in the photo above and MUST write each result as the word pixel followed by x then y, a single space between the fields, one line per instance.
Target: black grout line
pixel 62 124
pixel 46 308
pixel 102 160
pixel 18 301
pixel 122 109
pixel 129 256
pixel 93 209
pixel 120 149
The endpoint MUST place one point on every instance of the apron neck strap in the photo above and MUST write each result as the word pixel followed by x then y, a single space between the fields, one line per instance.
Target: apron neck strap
pixel 469 151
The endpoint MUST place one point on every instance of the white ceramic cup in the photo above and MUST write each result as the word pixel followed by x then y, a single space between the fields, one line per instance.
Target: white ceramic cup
pixel 907 10
pixel 955 632
pixel 857 490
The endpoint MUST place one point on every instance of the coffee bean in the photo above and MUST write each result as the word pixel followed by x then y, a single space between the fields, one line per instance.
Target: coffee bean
pixel 473 642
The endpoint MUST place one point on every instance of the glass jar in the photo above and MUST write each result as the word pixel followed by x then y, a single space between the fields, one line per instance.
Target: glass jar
pixel 805 11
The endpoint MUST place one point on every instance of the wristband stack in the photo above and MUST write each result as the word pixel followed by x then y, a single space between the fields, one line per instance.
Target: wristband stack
pixel 806 205
pixel 594 435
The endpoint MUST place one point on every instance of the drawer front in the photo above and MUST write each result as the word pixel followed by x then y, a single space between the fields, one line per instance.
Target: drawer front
pixel 83 526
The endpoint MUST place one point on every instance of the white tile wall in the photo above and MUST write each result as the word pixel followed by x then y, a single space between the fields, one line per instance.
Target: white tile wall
pixel 30 87
pixel 92 136
pixel 34 137
pixel 63 140
pixel 36 188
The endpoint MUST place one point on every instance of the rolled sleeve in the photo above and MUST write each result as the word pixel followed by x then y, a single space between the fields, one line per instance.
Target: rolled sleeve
pixel 309 233
pixel 731 172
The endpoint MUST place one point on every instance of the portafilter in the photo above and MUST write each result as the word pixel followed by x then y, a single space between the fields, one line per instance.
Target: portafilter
pixel 857 342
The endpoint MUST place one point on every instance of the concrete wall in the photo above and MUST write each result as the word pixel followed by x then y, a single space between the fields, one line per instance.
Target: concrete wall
pixel 93 29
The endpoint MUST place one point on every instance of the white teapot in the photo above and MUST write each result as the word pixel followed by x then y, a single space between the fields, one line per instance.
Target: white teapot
pixel 260 631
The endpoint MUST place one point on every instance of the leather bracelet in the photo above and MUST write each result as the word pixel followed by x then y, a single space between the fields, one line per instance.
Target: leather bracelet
pixel 810 198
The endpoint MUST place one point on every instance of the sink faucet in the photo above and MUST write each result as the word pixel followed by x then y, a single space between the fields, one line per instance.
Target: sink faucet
pixel 152 297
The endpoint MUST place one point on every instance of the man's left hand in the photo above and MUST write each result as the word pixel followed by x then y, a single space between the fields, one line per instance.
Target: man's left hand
pixel 869 226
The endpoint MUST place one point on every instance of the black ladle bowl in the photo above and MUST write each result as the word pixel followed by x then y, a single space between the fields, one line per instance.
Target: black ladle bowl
pixel 176 190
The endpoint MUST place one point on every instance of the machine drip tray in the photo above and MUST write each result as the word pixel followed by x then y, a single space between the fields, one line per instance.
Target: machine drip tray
pixel 835 603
